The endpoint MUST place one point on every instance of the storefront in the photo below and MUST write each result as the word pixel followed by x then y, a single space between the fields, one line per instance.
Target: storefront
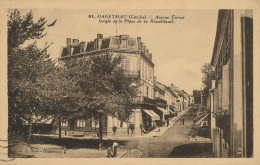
pixel 149 119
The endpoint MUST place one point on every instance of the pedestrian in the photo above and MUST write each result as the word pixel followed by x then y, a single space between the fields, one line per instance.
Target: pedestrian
pixel 168 122
pixel 183 121
pixel 115 145
pixel 194 121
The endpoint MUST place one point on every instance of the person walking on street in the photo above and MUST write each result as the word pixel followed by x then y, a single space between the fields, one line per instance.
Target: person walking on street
pixel 168 122
pixel 194 121
pixel 183 120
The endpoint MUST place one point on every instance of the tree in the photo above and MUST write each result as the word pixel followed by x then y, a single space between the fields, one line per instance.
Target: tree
pixel 25 65
pixel 197 96
pixel 208 75
pixel 107 90
pixel 24 28
pixel 60 94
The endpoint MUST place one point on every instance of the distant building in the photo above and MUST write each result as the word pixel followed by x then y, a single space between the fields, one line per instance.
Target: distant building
pixel 164 92
pixel 231 96
pixel 191 100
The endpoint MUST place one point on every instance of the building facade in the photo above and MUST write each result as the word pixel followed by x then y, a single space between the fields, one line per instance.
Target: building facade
pixel 169 97
pixel 231 96
pixel 137 63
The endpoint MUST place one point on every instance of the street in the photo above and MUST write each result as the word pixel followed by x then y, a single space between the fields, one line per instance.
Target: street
pixel 174 143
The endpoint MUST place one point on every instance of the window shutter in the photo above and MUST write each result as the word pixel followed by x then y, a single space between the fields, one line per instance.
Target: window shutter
pixel 225 88
pixel 219 94
pixel 127 64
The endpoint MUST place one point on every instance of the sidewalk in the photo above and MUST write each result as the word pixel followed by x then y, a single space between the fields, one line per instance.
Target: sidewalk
pixel 157 133
pixel 154 133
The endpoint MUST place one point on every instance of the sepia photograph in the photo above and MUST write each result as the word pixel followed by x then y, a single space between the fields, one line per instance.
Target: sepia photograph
pixel 130 83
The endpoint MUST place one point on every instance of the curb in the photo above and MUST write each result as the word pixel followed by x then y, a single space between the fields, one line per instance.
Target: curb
pixel 122 154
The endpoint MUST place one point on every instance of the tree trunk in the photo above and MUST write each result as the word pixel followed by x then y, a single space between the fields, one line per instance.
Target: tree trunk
pixel 59 127
pixel 100 131
pixel 29 132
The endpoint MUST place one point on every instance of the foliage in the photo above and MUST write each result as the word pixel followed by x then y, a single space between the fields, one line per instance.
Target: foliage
pixel 208 75
pixel 25 66
pixel 22 28
pixel 197 96
pixel 37 86
pixel 104 85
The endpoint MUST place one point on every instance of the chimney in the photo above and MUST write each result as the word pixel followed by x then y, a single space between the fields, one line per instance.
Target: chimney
pixel 98 41
pixel 82 47
pixel 138 39
pixel 69 47
pixel 172 87
pixel 143 48
pixel 139 43
pixel 75 41
pixel 147 52
pixel 124 37
pixel 99 36
pixel 151 55
pixel 68 41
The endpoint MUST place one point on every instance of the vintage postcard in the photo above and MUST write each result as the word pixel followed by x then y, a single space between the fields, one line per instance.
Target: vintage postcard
pixel 105 82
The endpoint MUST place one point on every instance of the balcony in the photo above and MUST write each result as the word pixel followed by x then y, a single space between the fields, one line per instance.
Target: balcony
pixel 160 102
pixel 145 100
pixel 132 73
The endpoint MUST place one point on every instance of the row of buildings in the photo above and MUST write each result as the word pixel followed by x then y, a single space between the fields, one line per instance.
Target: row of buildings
pixel 230 99
pixel 155 103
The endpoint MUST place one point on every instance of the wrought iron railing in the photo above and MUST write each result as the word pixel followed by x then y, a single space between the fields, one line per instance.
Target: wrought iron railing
pixel 132 73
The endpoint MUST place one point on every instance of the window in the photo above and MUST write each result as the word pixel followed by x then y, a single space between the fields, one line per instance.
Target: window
pixel 147 91
pixel 219 95
pixel 125 64
pixel 81 123
pixel 151 93
pixel 123 44
pixel 150 74
pixel 142 69
pixel 144 89
pixel 145 71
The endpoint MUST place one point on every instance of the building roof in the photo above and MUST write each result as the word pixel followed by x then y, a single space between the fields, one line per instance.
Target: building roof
pixel 221 20
pixel 121 43
pixel 165 88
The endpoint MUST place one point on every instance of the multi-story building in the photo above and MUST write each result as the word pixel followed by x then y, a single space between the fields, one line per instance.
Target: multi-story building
pixel 178 103
pixel 232 91
pixel 185 99
pixel 170 98
pixel 137 63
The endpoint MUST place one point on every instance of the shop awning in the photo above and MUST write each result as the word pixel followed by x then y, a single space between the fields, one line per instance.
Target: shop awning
pixel 164 111
pixel 152 114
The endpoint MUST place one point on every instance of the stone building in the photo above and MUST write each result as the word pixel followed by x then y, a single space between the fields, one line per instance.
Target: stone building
pixel 231 96
pixel 137 63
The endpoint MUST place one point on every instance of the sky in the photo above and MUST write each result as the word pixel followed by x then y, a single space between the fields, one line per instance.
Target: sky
pixel 179 49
